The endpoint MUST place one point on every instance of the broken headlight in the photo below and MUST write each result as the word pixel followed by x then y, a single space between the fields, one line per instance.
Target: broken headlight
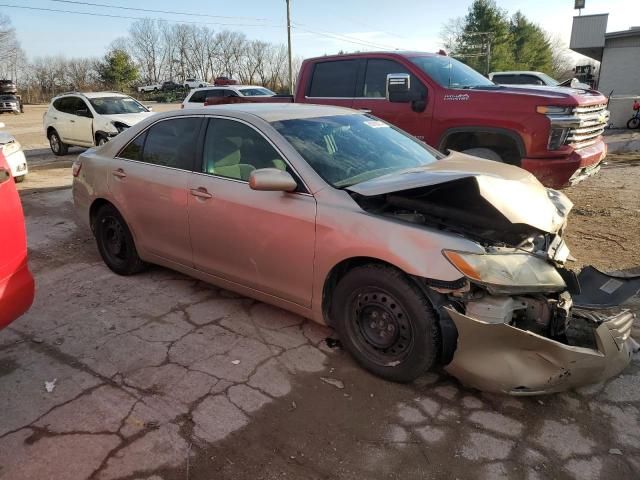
pixel 507 272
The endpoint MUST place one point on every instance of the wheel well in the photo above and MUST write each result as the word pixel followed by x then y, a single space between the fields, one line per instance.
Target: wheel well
pixel 98 135
pixel 49 130
pixel 504 145
pixel 95 206
pixel 339 271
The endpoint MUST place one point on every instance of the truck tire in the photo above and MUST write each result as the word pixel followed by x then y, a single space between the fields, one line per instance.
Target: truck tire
pixel 485 153
pixel 385 322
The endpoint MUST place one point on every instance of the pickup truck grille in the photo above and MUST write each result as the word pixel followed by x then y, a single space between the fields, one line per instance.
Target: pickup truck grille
pixel 589 123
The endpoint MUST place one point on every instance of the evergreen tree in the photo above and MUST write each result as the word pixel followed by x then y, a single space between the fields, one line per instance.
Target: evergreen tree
pixel 117 70
pixel 531 49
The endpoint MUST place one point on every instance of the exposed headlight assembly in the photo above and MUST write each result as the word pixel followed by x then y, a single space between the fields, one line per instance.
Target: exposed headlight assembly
pixel 507 272
pixel 121 127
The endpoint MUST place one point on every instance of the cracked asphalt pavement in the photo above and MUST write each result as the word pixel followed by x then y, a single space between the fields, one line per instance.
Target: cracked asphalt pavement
pixel 162 377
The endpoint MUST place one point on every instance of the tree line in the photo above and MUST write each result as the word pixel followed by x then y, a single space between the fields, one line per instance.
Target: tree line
pixel 152 52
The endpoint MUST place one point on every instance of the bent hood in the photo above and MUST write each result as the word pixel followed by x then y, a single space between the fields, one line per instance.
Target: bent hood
pixel 128 118
pixel 512 191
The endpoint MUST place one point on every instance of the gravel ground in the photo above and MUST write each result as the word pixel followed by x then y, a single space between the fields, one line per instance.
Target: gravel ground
pixel 159 376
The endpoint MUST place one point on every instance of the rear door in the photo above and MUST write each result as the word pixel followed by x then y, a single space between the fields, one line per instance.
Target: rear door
pixel 333 82
pixel 149 184
pixel 371 95
pixel 16 282
pixel 61 117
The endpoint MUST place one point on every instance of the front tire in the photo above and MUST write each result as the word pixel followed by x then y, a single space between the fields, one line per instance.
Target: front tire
pixel 115 242
pixel 58 147
pixel 485 153
pixel 386 323
pixel 101 140
pixel 633 123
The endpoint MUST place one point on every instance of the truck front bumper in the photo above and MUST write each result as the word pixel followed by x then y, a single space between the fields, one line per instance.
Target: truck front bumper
pixel 559 172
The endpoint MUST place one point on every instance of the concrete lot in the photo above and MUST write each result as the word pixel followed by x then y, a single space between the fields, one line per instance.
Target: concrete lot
pixel 159 376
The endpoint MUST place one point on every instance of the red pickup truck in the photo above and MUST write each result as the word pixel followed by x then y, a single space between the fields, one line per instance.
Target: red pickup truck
pixel 16 282
pixel 555 133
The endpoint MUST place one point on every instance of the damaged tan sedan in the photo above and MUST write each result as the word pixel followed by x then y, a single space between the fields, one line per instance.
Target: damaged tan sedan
pixel 417 259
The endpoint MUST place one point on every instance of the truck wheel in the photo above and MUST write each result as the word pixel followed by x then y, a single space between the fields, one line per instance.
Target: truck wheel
pixel 485 153
pixel 386 323
pixel 58 147
pixel 155 89
pixel 633 123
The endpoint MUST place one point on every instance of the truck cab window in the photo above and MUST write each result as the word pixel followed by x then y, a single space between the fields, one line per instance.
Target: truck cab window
pixel 334 79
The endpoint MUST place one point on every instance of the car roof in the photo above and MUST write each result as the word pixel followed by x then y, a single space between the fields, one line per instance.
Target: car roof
pixel 94 94
pixel 516 72
pixel 273 112
pixel 227 87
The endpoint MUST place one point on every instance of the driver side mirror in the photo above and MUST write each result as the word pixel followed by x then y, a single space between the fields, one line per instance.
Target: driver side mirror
pixel 399 87
pixel 272 180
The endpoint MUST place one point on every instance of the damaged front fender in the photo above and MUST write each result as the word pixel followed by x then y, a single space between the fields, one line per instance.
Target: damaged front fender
pixel 498 357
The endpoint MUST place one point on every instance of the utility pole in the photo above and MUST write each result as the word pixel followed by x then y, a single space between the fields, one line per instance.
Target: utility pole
pixel 289 45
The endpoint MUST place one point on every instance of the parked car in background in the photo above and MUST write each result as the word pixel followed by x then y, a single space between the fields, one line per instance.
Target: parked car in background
pixel 225 81
pixel 10 103
pixel 8 86
pixel 89 119
pixel 195 83
pixel 14 156
pixel 416 259
pixel 154 87
pixel 170 86
pixel 16 282
pixel 533 78
pixel 554 133
pixel 198 96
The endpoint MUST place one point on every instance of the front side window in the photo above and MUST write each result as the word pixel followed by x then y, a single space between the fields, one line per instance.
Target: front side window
pixel 375 79
pixel 233 150
pixel 449 72
pixel 172 143
pixel 349 149
pixel 334 79
pixel 116 105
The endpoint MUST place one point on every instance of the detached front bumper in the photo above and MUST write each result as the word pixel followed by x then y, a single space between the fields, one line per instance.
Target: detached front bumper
pixel 498 357
pixel 569 170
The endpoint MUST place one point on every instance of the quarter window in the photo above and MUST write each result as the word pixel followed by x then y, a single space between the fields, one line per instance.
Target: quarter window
pixel 233 150
pixel 133 150
pixel 172 143
pixel 334 79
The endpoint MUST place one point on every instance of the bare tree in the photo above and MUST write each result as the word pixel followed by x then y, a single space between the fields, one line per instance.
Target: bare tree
pixel 147 48
pixel 562 65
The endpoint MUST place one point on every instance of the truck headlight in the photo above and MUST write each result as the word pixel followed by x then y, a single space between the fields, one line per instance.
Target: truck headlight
pixel 507 272
pixel 119 126
pixel 10 148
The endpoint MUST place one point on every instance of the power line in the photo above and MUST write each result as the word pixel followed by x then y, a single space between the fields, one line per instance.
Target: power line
pixel 170 12
pixel 345 38
pixel 95 14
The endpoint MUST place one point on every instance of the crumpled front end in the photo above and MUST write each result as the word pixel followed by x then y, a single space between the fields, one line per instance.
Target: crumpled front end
pixel 499 357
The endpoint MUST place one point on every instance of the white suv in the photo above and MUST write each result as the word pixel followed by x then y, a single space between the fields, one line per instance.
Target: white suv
pixel 89 119
pixel 198 96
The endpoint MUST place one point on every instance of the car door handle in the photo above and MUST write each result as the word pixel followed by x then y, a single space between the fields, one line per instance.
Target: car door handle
pixel 201 192
pixel 72 121
pixel 119 173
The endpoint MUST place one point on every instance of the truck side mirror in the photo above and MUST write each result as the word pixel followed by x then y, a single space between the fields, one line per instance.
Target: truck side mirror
pixel 398 87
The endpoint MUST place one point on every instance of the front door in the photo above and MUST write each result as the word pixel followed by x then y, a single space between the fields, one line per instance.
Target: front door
pixel 262 240
pixel 81 123
pixel 149 181
pixel 372 96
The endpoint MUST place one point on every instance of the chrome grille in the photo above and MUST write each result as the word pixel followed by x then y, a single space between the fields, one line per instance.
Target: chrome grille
pixel 590 123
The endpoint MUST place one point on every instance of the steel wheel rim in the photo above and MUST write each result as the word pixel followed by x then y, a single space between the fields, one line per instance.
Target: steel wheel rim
pixel 114 239
pixel 379 326
pixel 54 142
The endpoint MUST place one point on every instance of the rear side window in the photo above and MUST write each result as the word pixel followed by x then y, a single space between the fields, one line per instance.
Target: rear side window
pixel 172 143
pixel 508 79
pixel 201 95
pixel 62 104
pixel 334 79
pixel 133 151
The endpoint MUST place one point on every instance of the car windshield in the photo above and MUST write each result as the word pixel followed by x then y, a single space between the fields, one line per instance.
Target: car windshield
pixel 548 80
pixel 116 105
pixel 349 149
pixel 256 92
pixel 449 72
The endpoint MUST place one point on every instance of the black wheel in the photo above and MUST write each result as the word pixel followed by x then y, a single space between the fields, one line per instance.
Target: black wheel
pixel 101 140
pixel 58 147
pixel 115 242
pixel 485 153
pixel 633 123
pixel 386 323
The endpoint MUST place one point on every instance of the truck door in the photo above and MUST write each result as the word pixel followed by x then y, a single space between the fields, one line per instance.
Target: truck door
pixel 333 83
pixel 371 95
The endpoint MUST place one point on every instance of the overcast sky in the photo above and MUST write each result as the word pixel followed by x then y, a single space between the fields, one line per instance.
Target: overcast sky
pixel 321 26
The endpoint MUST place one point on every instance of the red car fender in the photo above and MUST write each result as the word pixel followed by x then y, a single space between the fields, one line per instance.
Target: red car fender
pixel 16 282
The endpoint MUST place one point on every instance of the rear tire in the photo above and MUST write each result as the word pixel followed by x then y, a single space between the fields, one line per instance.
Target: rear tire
pixel 485 153
pixel 58 147
pixel 633 123
pixel 115 242
pixel 386 323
